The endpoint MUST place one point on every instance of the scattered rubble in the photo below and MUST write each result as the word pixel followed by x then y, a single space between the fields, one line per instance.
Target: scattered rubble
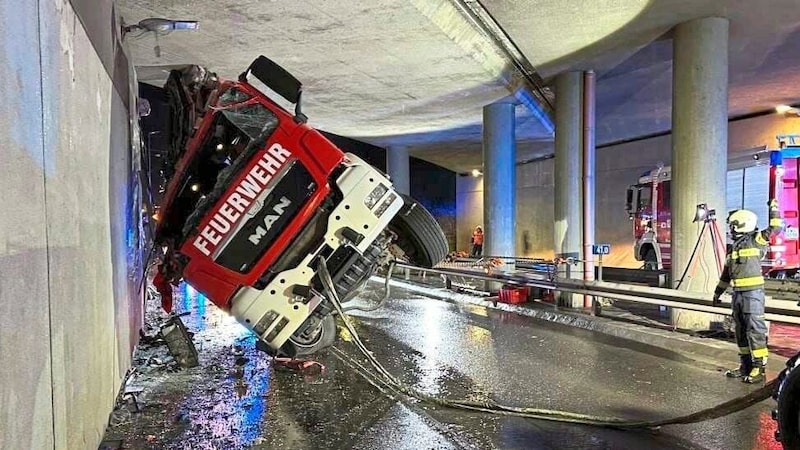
pixel 198 350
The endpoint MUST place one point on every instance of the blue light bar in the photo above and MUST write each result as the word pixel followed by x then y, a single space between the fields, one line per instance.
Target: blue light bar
pixel 775 158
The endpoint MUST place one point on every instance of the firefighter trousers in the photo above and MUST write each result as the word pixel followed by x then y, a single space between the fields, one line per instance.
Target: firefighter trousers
pixel 749 324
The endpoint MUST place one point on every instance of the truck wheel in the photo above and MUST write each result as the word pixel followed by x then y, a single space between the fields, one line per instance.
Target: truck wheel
pixel 789 411
pixel 650 259
pixel 315 340
pixel 419 236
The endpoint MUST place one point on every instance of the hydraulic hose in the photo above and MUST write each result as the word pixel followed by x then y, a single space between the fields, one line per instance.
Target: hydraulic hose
pixel 386 379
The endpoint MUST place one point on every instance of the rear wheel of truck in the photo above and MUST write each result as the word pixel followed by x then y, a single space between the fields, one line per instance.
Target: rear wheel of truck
pixel 419 236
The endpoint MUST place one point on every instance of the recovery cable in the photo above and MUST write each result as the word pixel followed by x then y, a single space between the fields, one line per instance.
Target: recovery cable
pixel 383 377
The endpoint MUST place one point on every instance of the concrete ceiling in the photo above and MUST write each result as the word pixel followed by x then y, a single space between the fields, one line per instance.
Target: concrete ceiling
pixel 418 72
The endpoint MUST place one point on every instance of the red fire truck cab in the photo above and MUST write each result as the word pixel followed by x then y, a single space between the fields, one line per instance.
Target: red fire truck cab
pixel 753 178
pixel 255 198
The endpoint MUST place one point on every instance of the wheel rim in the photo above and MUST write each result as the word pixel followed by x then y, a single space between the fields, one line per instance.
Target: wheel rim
pixel 308 342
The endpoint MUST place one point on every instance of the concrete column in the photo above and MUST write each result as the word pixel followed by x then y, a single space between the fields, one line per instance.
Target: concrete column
pixel 588 153
pixel 568 171
pixel 699 150
pixel 499 180
pixel 397 166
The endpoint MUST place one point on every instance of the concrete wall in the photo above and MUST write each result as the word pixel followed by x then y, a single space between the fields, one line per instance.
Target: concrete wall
pixel 69 250
pixel 617 167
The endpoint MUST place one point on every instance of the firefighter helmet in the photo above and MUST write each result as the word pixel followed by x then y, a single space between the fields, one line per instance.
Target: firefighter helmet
pixel 743 221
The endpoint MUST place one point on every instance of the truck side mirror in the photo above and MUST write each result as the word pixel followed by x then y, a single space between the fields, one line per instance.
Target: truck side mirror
pixel 280 81
pixel 629 201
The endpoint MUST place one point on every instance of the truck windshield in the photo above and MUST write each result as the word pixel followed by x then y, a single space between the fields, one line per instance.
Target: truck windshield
pixel 645 197
pixel 236 133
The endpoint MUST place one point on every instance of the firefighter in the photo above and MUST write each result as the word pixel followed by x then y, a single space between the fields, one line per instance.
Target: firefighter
pixel 743 273
pixel 477 242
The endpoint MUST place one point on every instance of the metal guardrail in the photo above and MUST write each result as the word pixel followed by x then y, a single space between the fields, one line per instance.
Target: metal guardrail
pixel 780 289
pixel 776 310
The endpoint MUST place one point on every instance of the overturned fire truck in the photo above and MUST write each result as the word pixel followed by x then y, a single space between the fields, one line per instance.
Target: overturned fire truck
pixel 255 199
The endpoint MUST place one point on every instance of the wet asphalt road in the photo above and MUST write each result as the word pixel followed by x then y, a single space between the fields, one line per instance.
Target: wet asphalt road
pixel 446 349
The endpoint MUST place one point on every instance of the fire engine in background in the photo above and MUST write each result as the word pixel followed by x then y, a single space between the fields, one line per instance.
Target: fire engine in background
pixel 753 177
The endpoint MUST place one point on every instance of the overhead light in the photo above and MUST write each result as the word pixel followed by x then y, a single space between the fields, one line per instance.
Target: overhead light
pixel 158 24
pixel 195 187
pixel 786 109
pixel 220 146
pixel 476 173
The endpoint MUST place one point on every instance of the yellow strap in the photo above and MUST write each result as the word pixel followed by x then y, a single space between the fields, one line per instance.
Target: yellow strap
pixel 776 222
pixel 748 282
pixel 760 353
pixel 744 350
pixel 760 239
pixel 734 254
pixel 746 252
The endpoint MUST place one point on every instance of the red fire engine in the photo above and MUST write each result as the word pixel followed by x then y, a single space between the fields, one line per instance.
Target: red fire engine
pixel 753 178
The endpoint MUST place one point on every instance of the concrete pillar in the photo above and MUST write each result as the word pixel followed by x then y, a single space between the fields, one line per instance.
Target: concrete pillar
pixel 568 171
pixel 397 166
pixel 588 153
pixel 499 180
pixel 699 150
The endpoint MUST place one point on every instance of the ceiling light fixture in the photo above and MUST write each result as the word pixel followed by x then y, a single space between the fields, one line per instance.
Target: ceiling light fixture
pixel 159 26
pixel 476 173
pixel 788 110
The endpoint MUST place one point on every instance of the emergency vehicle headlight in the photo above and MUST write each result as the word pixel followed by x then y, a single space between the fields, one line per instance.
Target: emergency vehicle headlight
pixel 375 195
pixel 385 205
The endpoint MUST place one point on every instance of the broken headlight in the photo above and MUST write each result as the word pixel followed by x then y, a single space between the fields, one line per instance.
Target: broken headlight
pixel 375 195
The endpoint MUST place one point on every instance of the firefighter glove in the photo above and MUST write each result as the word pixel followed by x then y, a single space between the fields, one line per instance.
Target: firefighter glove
pixel 715 301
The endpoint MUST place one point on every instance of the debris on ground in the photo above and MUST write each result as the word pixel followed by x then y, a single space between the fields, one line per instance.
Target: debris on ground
pixel 179 342
pixel 219 402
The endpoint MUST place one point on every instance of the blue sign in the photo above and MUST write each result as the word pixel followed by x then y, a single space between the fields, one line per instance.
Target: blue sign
pixel 601 249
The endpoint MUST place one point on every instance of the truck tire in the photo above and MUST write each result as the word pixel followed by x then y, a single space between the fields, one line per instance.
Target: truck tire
pixel 650 259
pixel 789 411
pixel 419 236
pixel 323 338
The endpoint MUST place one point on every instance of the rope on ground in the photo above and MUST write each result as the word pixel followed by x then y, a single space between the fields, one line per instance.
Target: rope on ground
pixel 388 380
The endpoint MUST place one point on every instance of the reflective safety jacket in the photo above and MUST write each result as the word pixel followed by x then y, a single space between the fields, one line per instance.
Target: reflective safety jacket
pixel 743 262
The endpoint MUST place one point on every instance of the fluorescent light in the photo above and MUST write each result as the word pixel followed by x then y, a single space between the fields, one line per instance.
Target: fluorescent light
pixel 783 109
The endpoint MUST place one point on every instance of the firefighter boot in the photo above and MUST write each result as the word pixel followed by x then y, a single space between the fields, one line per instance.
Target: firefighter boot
pixel 745 364
pixel 758 372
